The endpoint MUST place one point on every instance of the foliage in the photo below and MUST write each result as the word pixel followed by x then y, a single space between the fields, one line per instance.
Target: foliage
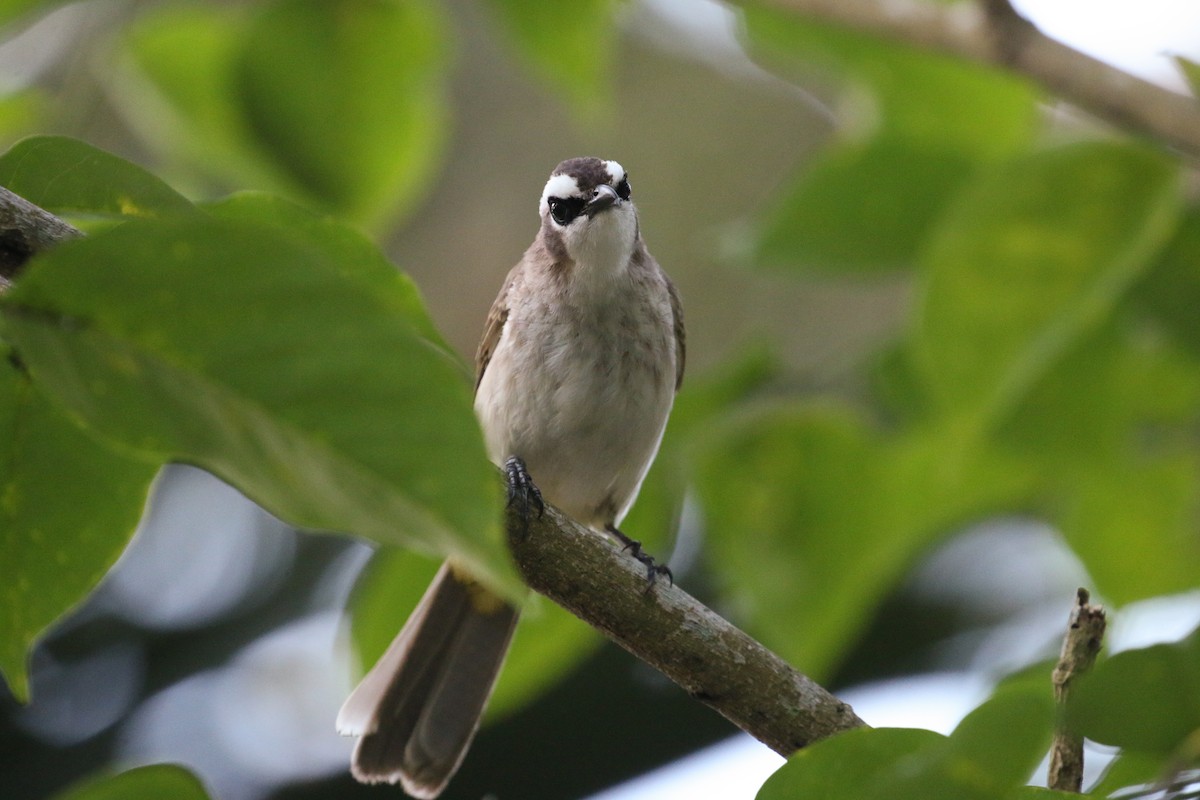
pixel 1049 363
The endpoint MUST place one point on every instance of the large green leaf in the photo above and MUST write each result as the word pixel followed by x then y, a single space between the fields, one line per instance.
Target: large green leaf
pixel 1170 291
pixel 1145 700
pixel 67 176
pixel 347 98
pixel 68 506
pixel 300 379
pixel 154 782
pixel 1030 260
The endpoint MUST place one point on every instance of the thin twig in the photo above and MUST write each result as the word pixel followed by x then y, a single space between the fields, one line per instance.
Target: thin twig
pixel 1080 647
pixel 994 33
pixel 715 662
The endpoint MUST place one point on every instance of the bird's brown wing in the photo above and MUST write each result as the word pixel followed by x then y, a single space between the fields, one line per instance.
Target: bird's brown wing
pixel 680 333
pixel 493 327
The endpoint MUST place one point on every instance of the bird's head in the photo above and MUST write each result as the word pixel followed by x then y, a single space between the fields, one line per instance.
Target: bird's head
pixel 587 210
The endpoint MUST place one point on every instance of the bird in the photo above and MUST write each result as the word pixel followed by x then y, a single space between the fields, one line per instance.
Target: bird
pixel 582 353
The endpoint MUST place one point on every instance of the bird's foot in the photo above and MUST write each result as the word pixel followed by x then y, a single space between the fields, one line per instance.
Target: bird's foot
pixel 523 493
pixel 653 568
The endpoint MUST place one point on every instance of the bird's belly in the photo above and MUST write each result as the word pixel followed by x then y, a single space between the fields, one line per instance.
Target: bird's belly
pixel 587 422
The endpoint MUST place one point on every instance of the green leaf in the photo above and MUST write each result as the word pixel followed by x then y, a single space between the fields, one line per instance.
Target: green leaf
pixel 68 506
pixel 812 516
pixel 255 355
pixel 850 766
pixel 569 45
pixel 177 87
pixel 917 128
pixel 914 94
pixel 1170 291
pixel 1145 700
pixel 1031 259
pixel 1130 769
pixel 344 248
pixel 67 176
pixel 862 206
pixel 348 98
pixel 988 756
pixel 11 10
pixel 1191 71
pixel 141 783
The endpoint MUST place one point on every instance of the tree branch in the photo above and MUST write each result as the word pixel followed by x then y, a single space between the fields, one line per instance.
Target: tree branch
pixel 994 33
pixel 26 229
pixel 712 660
pixel 1079 650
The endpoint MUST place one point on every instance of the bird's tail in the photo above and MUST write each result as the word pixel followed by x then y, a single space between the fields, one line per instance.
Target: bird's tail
pixel 418 709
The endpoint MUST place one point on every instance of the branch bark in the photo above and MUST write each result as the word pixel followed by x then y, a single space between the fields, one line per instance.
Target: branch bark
pixel 26 229
pixel 715 662
pixel 1080 647
pixel 994 33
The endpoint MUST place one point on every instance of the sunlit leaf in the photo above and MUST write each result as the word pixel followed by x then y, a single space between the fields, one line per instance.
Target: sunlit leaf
pixel 141 783
pixel 254 355
pixel 66 176
pixel 68 506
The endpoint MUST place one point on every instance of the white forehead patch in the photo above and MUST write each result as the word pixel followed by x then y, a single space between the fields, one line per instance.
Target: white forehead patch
pixel 560 186
pixel 615 171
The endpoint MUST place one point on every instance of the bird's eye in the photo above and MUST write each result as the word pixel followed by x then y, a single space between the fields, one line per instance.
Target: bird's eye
pixel 565 209
pixel 623 190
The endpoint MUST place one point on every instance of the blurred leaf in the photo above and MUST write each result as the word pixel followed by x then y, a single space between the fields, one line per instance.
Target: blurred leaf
pixel 1170 291
pixel 701 402
pixel 570 45
pixel 347 98
pixel 66 176
pixel 178 88
pixel 1145 700
pixel 1129 769
pixel 11 10
pixel 1133 524
pixel 812 517
pixel 862 206
pixel 21 113
pixel 849 766
pixel 918 96
pixel 236 348
pixel 918 132
pixel 1030 259
pixel 154 782
pixel 989 756
pixel 67 509
pixel 1191 71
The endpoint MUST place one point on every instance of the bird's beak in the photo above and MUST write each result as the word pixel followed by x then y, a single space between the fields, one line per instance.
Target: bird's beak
pixel 604 197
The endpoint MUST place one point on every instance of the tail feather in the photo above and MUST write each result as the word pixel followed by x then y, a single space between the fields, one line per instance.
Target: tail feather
pixel 418 709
